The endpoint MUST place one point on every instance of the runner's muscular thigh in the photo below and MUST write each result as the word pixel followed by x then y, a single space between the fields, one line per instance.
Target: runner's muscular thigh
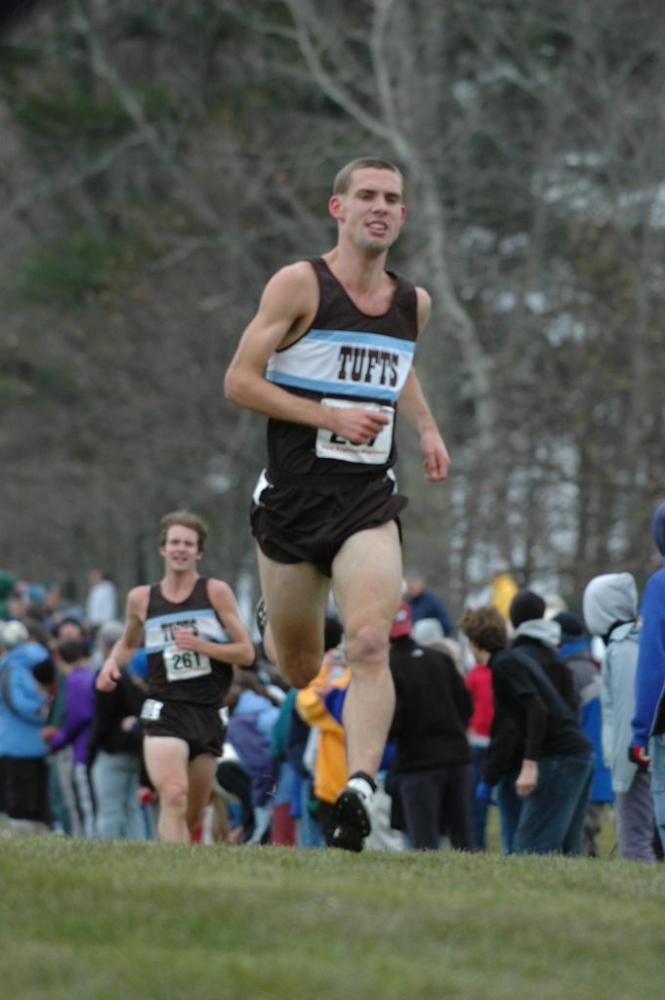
pixel 295 596
pixel 367 577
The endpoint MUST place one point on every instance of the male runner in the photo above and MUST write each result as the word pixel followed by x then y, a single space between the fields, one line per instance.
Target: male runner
pixel 193 637
pixel 326 358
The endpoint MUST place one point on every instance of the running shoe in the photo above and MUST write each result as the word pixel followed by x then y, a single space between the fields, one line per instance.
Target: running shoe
pixel 352 822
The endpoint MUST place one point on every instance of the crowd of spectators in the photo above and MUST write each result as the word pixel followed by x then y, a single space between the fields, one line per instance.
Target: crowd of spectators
pixel 522 708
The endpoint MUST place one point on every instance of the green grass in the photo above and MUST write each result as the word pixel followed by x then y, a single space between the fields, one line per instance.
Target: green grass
pixel 95 920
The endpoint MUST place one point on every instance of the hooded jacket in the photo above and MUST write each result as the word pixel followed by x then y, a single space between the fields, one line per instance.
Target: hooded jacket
pixel 649 717
pixel 540 638
pixel 610 611
pixel 23 704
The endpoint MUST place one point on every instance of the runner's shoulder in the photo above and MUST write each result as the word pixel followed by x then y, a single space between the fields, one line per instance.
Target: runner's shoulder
pixel 295 284
pixel 137 600
pixel 220 591
pixel 424 305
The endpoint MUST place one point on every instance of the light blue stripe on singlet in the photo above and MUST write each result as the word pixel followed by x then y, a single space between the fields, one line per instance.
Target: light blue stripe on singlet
pixel 179 615
pixel 338 388
pixel 185 615
pixel 360 338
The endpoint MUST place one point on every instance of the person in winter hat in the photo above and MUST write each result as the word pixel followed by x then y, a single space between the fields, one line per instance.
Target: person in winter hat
pixel 610 611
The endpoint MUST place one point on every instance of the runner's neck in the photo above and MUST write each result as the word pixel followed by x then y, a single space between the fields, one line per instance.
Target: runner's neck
pixel 176 587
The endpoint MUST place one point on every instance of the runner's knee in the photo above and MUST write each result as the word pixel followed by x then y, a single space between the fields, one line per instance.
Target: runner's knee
pixel 367 647
pixel 173 797
pixel 299 656
pixel 300 667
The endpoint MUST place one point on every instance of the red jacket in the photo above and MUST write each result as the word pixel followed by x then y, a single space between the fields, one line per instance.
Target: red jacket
pixel 479 684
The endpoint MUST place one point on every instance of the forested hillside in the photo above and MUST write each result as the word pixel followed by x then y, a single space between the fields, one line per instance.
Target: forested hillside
pixel 159 160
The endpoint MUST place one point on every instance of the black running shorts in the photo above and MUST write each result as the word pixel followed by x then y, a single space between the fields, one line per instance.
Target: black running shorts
pixel 310 523
pixel 200 726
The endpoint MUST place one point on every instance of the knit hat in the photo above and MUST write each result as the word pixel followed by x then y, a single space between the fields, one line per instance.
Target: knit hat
pixel 572 627
pixel 402 622
pixel 525 607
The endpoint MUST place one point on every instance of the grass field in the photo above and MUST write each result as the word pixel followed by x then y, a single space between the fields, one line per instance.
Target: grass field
pixel 94 919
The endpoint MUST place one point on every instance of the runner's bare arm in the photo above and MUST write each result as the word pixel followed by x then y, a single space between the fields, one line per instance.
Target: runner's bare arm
pixel 129 641
pixel 413 405
pixel 288 303
pixel 240 650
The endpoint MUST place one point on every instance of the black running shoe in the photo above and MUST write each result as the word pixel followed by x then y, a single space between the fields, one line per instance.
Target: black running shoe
pixel 261 616
pixel 352 822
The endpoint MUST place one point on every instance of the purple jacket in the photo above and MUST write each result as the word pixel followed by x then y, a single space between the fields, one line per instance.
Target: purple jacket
pixel 79 713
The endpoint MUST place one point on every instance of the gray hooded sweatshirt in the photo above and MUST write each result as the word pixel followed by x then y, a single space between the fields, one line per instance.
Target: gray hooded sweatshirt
pixel 610 606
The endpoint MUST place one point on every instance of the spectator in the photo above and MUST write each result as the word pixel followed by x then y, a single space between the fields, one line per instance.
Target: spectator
pixel 540 638
pixel 432 759
pixel 503 589
pixel 27 674
pixel 501 768
pixel 102 601
pixel 425 604
pixel 330 770
pixel 574 650
pixel 72 661
pixel 286 804
pixel 610 611
pixel 233 812
pixel 7 588
pixel 115 755
pixel 478 682
pixel 105 638
pixel 648 726
pixel 557 766
pixel 252 717
pixel 70 627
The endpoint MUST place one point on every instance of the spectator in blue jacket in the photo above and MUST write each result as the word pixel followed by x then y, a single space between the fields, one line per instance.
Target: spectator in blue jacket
pixel 27 675
pixel 648 726
pixel 425 604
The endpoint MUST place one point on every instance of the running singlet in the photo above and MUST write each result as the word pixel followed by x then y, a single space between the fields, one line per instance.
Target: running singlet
pixel 180 675
pixel 346 358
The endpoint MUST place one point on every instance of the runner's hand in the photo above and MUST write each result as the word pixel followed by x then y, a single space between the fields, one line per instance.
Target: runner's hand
pixel 437 459
pixel 185 639
pixel 355 424
pixel 108 676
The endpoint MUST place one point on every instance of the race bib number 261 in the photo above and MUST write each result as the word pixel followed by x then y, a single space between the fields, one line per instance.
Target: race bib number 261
pixel 181 665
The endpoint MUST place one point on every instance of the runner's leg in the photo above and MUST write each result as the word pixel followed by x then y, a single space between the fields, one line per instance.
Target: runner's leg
pixel 201 773
pixel 295 596
pixel 367 582
pixel 166 760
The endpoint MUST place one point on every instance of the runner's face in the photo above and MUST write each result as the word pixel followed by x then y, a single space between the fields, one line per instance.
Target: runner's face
pixel 181 549
pixel 371 213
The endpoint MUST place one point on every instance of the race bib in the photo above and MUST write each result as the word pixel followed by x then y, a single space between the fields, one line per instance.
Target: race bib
pixel 182 664
pixel 374 452
pixel 151 710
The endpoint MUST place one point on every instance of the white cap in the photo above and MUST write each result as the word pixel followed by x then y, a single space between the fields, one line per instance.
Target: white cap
pixel 13 633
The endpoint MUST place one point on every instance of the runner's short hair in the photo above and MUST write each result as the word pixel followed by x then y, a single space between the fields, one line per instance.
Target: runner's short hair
pixel 185 519
pixel 342 180
pixel 485 627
